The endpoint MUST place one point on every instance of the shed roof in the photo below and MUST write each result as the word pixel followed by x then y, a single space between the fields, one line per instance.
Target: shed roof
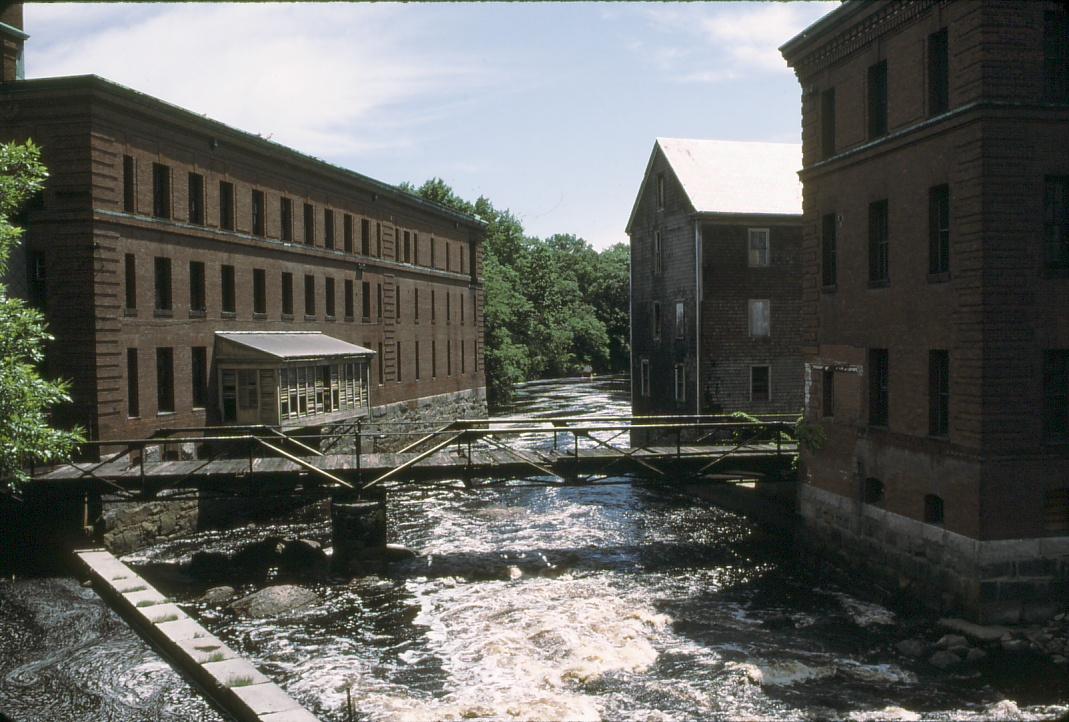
pixel 727 176
pixel 292 345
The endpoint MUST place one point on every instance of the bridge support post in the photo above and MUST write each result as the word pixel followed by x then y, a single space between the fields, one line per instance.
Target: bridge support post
pixel 358 532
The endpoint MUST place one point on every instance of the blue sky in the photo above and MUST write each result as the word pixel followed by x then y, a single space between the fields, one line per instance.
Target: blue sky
pixel 549 109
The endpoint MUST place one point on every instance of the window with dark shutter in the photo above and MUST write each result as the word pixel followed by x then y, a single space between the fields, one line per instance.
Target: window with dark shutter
pixel 938 73
pixel 877 99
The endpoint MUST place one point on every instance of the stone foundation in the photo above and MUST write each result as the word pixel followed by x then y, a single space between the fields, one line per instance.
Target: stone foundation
pixel 420 416
pixel 998 581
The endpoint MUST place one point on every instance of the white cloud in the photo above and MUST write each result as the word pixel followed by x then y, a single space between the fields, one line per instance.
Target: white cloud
pixel 329 80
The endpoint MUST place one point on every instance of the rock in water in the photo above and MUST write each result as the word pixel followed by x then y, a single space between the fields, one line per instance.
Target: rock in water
pixel 912 647
pixel 215 595
pixel 274 600
pixel 944 660
pixel 947 641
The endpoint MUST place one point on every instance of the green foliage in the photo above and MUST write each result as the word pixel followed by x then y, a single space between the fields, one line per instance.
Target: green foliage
pixel 552 306
pixel 810 436
pixel 26 399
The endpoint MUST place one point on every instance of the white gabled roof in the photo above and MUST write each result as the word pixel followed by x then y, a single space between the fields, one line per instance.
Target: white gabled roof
pixel 292 345
pixel 728 176
pixel 731 176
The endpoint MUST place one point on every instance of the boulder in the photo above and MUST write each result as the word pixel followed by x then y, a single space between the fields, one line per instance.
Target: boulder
pixel 1016 646
pixel 944 660
pixel 912 648
pixel 949 641
pixel 977 632
pixel 975 655
pixel 217 595
pixel 273 600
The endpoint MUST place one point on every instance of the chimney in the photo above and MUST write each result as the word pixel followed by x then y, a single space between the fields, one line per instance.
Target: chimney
pixel 12 38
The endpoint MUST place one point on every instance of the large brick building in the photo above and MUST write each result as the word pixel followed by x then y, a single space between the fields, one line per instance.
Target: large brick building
pixel 194 274
pixel 732 210
pixel 935 296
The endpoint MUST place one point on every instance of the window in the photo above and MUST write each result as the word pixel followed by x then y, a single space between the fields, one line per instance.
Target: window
pixel 309 224
pixel 760 389
pixel 433 252
pixel 133 398
pixel 257 213
pixel 877 97
pixel 681 321
pixel 461 268
pixel 382 366
pixel 827 388
pixel 199 372
pixel 415 305
pixel 408 247
pixel 365 301
pixel 872 491
pixel 938 73
pixel 397 244
pixel 196 199
pixel 933 505
pixel 660 191
pixel 827 123
pixel 448 307
pixel 417 360
pixel 130 267
pixel 434 359
pixel 36 278
pixel 196 288
pixel 1056 222
pixel 434 306
pixel 347 231
pixel 1056 395
pixel 655 320
pixel 1056 55
pixel 365 236
pixel 285 213
pixel 878 267
pixel 415 247
pixel 878 372
pixel 247 396
pixel 227 282
pixel 680 383
pixel 259 291
pixel 226 206
pixel 397 361
pixel 1056 512
pixel 161 190
pixel 939 229
pixel 449 357
pixel 287 294
pixel 658 253
pixel 397 303
pixel 378 299
pixel 828 253
pixel 348 299
pixel 328 228
pixel 129 184
pixel 309 296
pixel 644 377
pixel 163 284
pixel 328 290
pixel 461 297
pixel 759 317
pixel 164 380
pixel 463 358
pixel 378 240
pixel 938 393
pixel 759 251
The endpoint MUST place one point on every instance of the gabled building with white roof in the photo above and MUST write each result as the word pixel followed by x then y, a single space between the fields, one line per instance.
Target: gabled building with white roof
pixel 715 279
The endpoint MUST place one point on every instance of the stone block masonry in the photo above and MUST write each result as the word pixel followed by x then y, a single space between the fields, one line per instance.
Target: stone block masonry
pixel 229 681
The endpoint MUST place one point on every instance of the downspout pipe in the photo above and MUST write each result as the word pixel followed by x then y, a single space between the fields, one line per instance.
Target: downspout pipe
pixel 698 317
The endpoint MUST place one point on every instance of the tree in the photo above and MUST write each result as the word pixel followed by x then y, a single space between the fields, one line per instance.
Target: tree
pixel 26 435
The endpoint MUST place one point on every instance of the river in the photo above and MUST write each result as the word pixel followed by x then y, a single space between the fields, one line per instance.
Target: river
pixel 619 602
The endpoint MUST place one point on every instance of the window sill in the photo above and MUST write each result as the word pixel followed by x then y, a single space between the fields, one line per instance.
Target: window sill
pixel 309 317
pixel 165 413
pixel 831 288
pixel 130 313
pixel 163 313
pixel 328 317
pixel 939 437
pixel 259 316
pixel 194 313
pixel 228 314
pixel 365 319
pixel 882 283
pixel 349 319
pixel 941 277
pixel 287 317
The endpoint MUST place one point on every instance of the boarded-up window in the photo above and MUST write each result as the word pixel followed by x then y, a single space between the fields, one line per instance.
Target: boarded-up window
pixel 759 317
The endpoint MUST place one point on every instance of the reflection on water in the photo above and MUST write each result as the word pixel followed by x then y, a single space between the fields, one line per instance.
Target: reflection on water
pixel 584 603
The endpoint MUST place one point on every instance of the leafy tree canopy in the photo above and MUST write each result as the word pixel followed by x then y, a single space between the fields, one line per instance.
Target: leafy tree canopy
pixel 552 306
pixel 26 436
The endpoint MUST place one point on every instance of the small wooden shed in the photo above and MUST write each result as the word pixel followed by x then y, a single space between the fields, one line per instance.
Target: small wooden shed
pixel 290 378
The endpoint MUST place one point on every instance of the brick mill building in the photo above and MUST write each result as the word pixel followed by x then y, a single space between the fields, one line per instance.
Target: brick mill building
pixel 715 237
pixel 935 297
pixel 194 274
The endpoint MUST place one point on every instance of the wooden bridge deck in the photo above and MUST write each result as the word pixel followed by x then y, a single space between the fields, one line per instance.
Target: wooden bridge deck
pixel 448 463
